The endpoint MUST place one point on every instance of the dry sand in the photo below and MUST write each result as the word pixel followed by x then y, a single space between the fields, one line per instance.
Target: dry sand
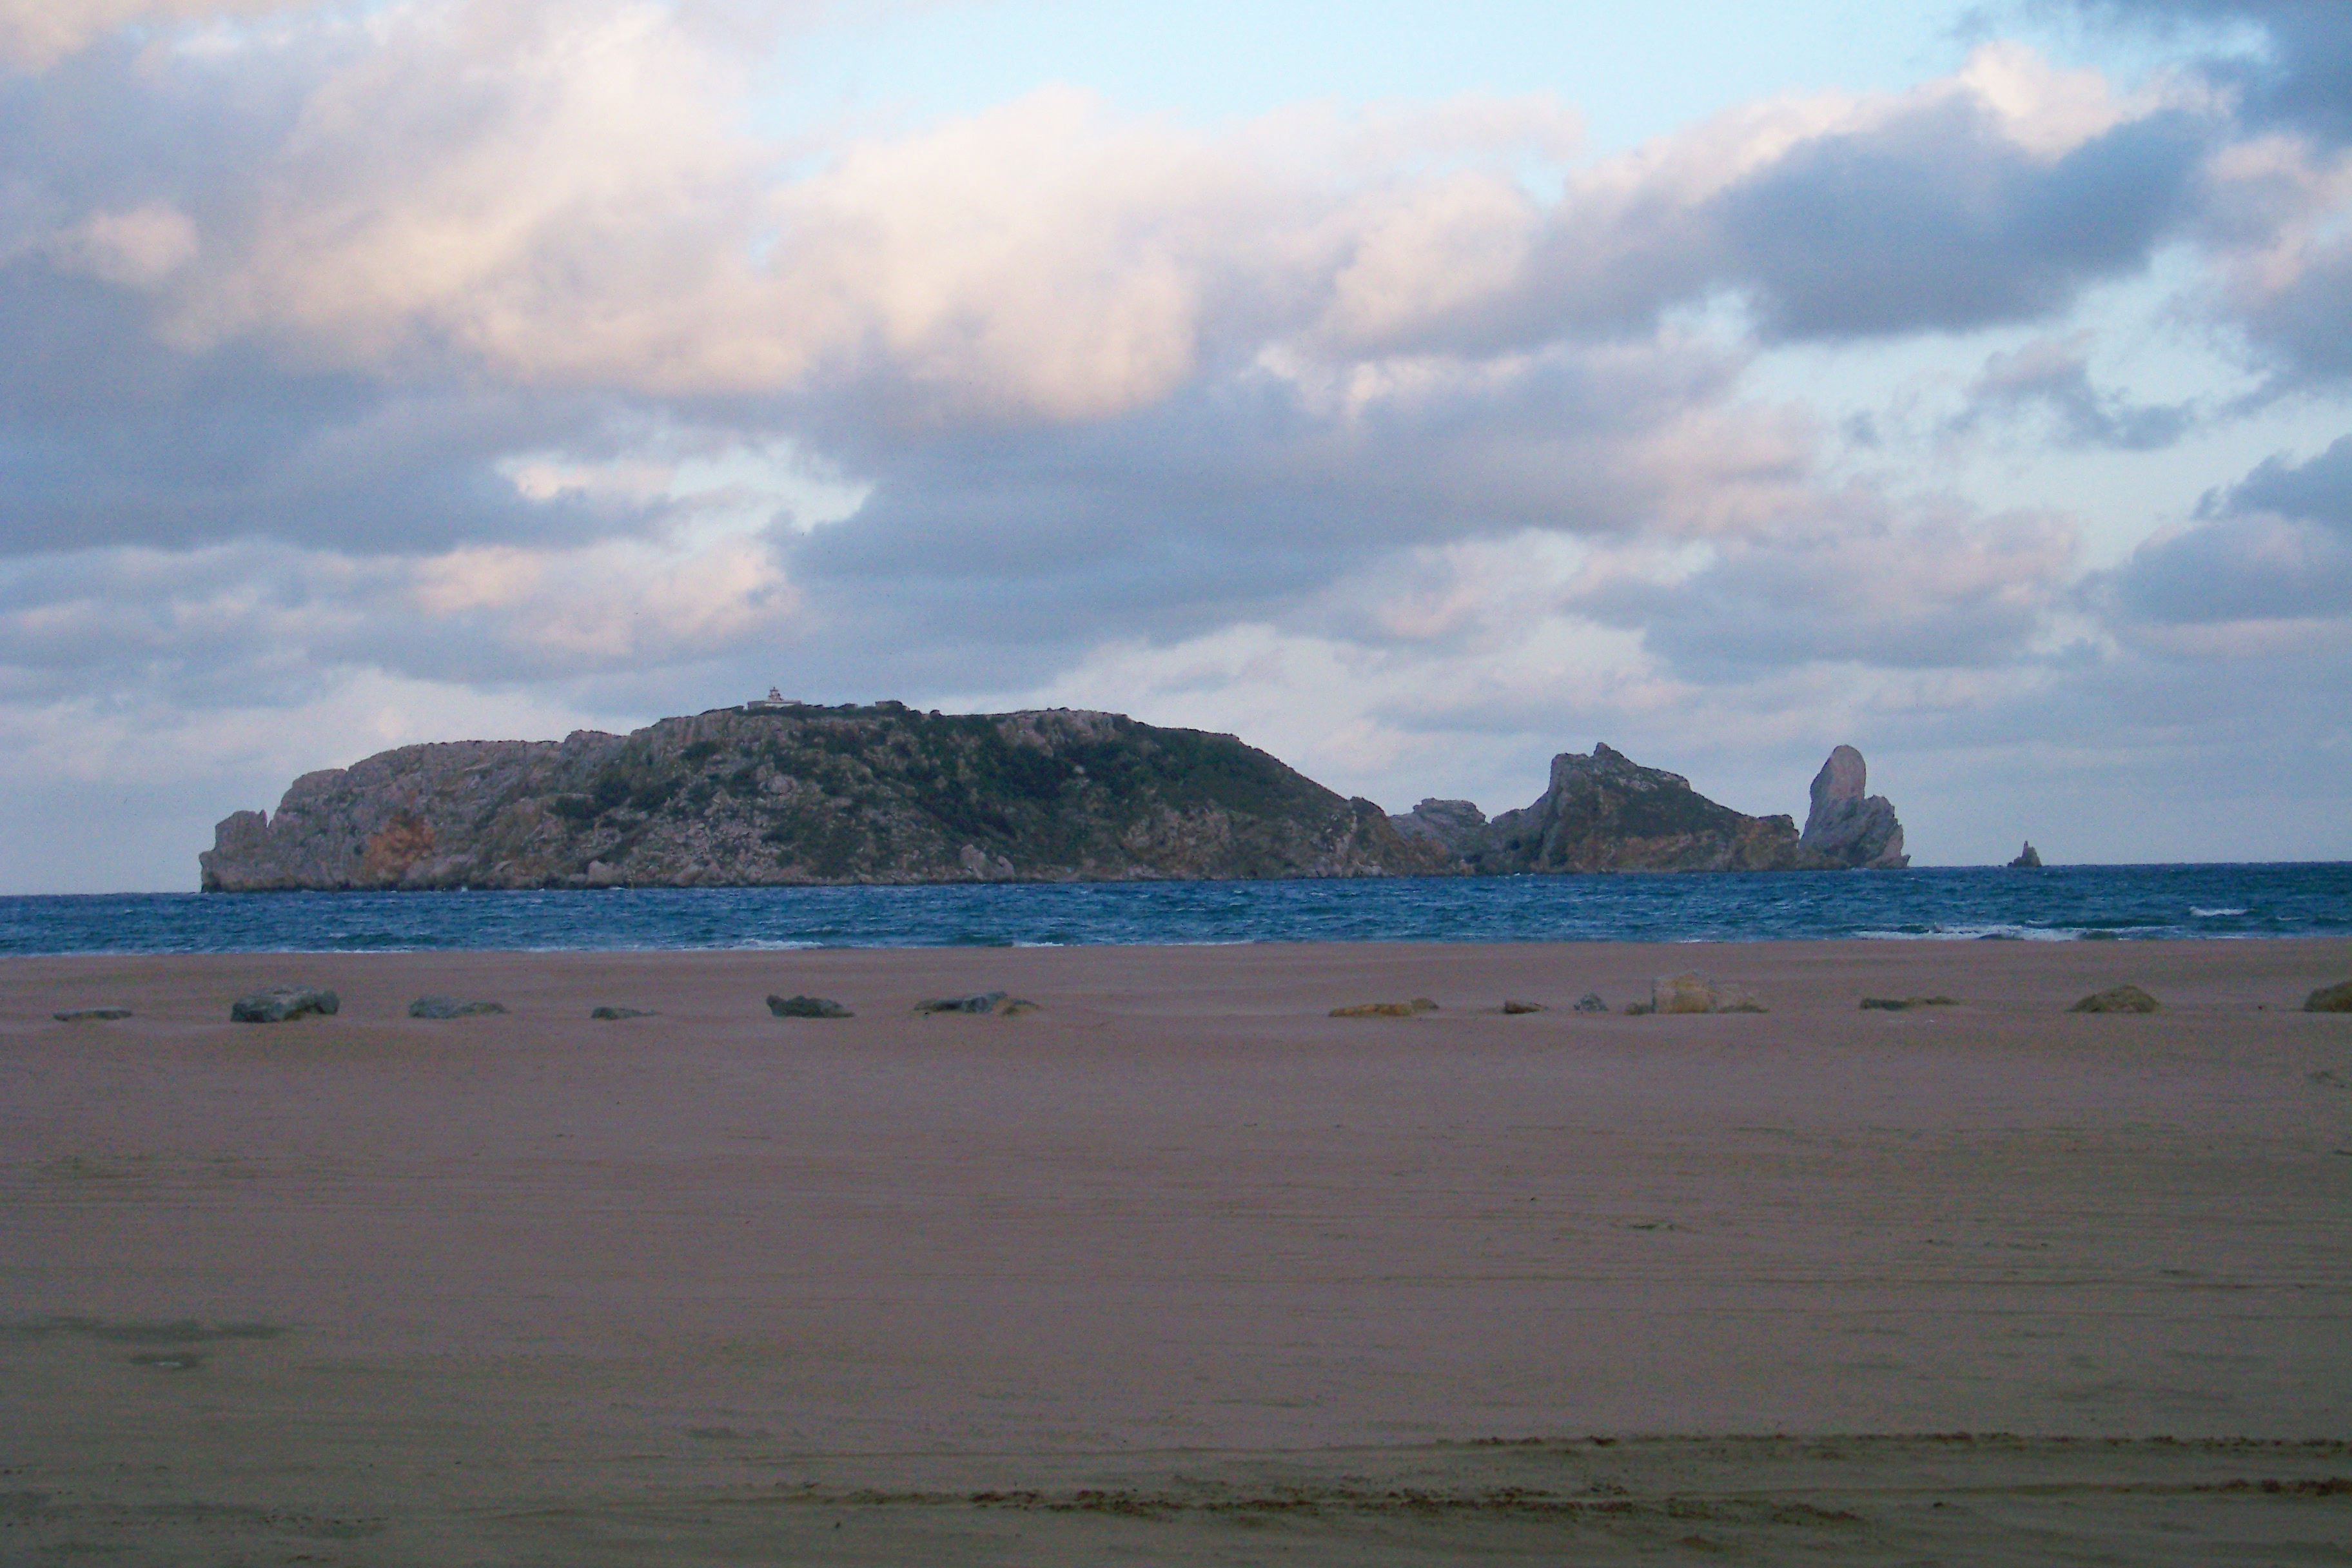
pixel 1180 1268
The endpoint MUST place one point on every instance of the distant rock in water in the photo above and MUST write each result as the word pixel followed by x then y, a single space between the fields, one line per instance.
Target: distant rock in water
pixel 1457 825
pixel 2028 859
pixel 786 793
pixel 1607 813
pixel 1848 827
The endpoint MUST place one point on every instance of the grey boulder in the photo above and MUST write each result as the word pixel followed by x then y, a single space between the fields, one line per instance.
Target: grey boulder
pixel 807 1008
pixel 281 1003
pixel 983 1003
pixel 90 1015
pixel 2116 999
pixel 450 1007
pixel 2336 998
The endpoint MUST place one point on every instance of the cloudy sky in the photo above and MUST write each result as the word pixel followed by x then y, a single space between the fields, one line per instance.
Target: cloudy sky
pixel 1414 387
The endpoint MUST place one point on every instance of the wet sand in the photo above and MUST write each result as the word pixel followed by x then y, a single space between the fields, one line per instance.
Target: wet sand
pixel 1179 1268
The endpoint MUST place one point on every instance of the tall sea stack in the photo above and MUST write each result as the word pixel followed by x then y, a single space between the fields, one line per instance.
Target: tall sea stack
pixel 1848 827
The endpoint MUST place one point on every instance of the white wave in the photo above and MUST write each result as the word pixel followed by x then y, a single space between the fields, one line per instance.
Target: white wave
pixel 2209 914
pixel 1970 933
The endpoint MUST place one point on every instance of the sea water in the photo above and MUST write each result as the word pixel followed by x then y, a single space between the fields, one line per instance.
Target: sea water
pixel 2058 903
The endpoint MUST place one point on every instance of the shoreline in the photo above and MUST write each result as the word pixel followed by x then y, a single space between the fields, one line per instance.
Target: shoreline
pixel 1180 1258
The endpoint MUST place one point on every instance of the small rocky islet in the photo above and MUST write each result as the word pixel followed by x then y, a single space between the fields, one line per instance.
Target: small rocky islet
pixel 789 794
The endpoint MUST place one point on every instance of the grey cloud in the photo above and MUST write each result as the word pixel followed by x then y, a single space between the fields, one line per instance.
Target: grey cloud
pixel 1239 498
pixel 2256 568
pixel 1938 221
pixel 109 435
pixel 1938 593
pixel 108 438
pixel 1932 220
pixel 2276 546
pixel 115 126
pixel 2319 490
pixel 231 626
pixel 2306 326
pixel 260 624
pixel 2056 376
pixel 2305 79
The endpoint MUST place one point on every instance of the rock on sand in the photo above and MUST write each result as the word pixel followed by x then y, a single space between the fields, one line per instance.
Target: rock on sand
pixel 1690 991
pixel 450 1007
pixel 283 1003
pixel 2116 999
pixel 983 1002
pixel 2336 998
pixel 807 1008
pixel 105 1014
pixel 1386 1009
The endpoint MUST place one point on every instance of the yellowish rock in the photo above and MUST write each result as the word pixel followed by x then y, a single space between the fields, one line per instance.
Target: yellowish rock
pixel 1386 1009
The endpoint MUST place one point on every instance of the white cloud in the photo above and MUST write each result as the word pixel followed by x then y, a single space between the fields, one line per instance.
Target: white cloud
pixel 565 196
pixel 138 249
pixel 36 34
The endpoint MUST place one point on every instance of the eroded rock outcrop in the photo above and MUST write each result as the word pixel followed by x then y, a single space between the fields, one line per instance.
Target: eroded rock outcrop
pixel 1607 813
pixel 1457 825
pixel 791 793
pixel 1848 826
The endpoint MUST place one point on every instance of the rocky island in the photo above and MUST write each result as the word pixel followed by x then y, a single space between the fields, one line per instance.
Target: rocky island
pixel 779 792
pixel 784 792
pixel 1607 813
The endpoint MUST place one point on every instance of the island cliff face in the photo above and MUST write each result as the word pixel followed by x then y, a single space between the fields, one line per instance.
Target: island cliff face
pixel 788 792
pixel 1847 827
pixel 1607 813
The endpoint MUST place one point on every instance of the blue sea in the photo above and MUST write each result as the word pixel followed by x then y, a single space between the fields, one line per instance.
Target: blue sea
pixel 2056 904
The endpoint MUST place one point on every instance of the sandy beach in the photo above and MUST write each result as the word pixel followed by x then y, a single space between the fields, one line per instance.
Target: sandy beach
pixel 1179 1267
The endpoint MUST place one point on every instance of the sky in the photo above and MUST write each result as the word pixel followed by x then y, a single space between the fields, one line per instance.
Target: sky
pixel 1415 390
